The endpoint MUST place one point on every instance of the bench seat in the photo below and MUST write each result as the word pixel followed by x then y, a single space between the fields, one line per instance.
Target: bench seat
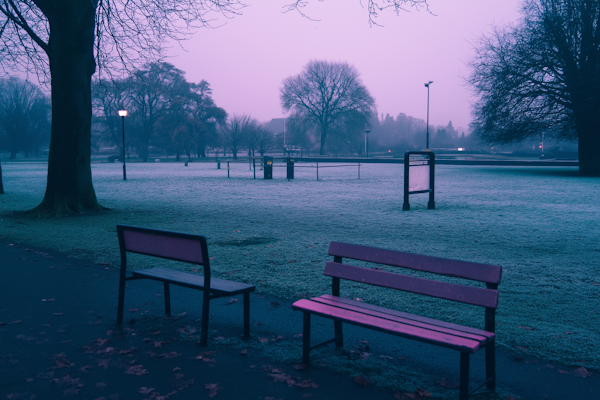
pixel 218 287
pixel 398 323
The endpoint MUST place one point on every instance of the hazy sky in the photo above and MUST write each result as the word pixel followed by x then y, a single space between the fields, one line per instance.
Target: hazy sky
pixel 246 59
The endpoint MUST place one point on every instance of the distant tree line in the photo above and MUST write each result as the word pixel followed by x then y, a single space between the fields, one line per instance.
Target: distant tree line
pixel 24 118
pixel 170 115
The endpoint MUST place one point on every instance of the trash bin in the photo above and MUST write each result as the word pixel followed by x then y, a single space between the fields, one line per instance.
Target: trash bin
pixel 268 161
pixel 290 168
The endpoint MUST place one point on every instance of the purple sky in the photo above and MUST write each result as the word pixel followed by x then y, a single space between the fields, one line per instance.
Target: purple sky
pixel 246 59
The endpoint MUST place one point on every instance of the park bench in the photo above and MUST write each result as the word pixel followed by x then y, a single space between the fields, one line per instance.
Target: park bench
pixel 179 247
pixel 465 339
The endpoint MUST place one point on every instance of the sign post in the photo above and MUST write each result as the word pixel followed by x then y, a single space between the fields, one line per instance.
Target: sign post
pixel 419 173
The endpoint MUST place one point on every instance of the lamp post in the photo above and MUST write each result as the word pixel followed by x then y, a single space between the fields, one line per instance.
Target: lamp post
pixel 427 86
pixel 367 142
pixel 123 114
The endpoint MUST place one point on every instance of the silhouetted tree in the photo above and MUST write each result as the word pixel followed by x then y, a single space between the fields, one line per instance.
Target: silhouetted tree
pixel 151 91
pixel 264 140
pixel 24 117
pixel 235 131
pixel 328 95
pixel 542 76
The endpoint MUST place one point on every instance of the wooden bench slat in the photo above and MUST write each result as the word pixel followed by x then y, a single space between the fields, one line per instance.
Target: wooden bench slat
pixel 414 317
pixel 384 325
pixel 171 245
pixel 194 281
pixel 460 269
pixel 482 339
pixel 448 291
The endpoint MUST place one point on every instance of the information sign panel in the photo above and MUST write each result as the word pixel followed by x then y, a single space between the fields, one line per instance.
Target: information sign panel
pixel 419 168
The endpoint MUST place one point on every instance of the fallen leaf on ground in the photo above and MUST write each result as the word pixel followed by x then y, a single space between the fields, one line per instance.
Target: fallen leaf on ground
pixel 213 388
pixel 100 385
pixel 47 299
pixel 145 390
pixel 136 370
pixel 244 352
pixel 527 328
pixel 233 301
pixel 583 372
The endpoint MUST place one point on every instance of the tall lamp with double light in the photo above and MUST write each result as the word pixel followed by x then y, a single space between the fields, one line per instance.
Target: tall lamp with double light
pixel 123 114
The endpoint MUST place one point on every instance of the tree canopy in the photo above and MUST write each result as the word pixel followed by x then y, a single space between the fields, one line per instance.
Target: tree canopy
pixel 542 76
pixel 330 96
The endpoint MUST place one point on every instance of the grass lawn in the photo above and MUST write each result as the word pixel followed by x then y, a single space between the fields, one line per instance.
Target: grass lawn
pixel 542 225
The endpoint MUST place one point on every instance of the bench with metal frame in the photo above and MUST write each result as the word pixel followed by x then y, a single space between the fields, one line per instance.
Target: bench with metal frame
pixel 182 247
pixel 467 340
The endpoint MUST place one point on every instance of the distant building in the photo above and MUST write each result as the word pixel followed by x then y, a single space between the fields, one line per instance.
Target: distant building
pixel 275 126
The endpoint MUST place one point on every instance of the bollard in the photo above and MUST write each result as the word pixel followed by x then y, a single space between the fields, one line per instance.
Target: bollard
pixel 186 163
pixel 268 162
pixel 254 166
pixel 218 164
pixel 228 169
pixel 290 168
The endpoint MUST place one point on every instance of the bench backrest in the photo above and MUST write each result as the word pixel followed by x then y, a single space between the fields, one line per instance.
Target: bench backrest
pixel 490 274
pixel 164 244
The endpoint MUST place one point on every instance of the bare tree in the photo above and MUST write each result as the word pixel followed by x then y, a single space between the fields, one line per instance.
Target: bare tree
pixel 374 7
pixel 235 131
pixel 264 140
pixel 328 95
pixel 542 77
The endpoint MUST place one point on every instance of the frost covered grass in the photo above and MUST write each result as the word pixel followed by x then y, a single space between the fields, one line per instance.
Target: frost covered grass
pixel 541 224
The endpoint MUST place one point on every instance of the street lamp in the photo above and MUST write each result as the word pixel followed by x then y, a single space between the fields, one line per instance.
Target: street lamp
pixel 367 142
pixel 427 86
pixel 123 114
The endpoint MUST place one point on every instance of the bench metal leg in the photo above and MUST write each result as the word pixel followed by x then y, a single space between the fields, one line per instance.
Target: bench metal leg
pixel 204 332
pixel 167 299
pixel 247 314
pixel 490 366
pixel 337 328
pixel 464 376
pixel 306 339
pixel 121 301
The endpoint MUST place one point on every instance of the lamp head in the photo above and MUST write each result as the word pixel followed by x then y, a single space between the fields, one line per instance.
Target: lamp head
pixel 428 83
pixel 122 113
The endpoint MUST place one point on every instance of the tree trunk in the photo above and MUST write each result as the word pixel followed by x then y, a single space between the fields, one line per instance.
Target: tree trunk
pixel 143 151
pixel 323 138
pixel 69 188
pixel 589 152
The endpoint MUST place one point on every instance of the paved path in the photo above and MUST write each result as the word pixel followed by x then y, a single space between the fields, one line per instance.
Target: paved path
pixel 58 339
